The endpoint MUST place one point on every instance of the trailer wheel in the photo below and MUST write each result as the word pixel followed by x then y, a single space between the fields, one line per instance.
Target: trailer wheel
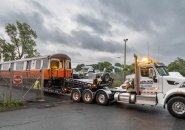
pixel 101 98
pixel 176 107
pixel 87 96
pixel 75 96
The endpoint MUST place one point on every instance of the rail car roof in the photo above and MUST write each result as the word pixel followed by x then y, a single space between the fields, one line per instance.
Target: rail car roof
pixel 59 56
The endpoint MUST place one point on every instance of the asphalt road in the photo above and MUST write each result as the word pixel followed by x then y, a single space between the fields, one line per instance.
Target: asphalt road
pixel 60 113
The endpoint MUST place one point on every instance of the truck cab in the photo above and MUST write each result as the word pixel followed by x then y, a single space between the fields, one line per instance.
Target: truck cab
pixel 154 77
pixel 155 86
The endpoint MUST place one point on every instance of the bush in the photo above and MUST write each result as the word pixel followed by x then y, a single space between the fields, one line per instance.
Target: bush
pixel 116 83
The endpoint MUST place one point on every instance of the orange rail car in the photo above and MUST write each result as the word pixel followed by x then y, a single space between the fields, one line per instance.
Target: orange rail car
pixel 56 69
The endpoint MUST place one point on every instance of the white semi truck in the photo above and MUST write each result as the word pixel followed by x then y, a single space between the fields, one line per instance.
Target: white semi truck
pixel 152 85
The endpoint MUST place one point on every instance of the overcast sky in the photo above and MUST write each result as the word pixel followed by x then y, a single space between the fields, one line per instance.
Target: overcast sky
pixel 90 31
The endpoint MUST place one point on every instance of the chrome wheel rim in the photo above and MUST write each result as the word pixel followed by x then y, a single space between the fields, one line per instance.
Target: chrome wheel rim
pixel 76 96
pixel 87 97
pixel 101 98
pixel 178 107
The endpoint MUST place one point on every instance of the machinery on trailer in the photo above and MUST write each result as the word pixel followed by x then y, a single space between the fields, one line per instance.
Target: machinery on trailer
pixel 152 85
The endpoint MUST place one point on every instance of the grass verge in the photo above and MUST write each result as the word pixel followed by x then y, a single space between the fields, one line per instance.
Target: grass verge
pixel 11 105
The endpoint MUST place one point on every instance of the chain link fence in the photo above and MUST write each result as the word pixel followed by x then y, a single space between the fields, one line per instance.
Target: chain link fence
pixel 22 85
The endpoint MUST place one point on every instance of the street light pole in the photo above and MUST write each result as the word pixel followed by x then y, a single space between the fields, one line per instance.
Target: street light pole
pixel 124 77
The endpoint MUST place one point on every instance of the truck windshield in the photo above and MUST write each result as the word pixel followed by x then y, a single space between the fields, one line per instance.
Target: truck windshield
pixel 162 71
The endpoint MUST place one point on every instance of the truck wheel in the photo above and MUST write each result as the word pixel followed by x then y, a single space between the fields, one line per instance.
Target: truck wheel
pixel 101 98
pixel 176 107
pixel 87 96
pixel 106 77
pixel 75 96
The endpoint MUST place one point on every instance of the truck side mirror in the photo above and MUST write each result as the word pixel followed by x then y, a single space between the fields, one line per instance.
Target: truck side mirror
pixel 151 73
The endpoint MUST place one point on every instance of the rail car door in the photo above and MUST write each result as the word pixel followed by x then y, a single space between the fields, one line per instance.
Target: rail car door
pixel 55 66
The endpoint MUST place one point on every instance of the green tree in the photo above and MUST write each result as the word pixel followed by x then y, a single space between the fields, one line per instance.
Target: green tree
pixel 95 66
pixel 118 64
pixel 79 67
pixel 22 42
pixel 8 51
pixel 177 65
pixel 104 64
pixel 130 69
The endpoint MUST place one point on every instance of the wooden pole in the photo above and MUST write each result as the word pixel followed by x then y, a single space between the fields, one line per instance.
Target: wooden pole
pixel 42 85
pixel 11 80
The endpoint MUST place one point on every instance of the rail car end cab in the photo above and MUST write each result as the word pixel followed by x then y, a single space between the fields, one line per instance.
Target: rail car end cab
pixel 60 65
pixel 59 70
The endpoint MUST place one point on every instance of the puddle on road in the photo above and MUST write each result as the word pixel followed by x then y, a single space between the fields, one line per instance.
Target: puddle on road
pixel 46 106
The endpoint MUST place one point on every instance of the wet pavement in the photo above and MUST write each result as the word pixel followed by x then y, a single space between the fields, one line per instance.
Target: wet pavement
pixel 58 112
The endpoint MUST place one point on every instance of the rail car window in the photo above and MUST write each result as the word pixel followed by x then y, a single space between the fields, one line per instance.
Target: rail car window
pixel 68 65
pixel 5 66
pixel 12 66
pixel 19 65
pixel 38 64
pixel 54 64
pixel 45 63
pixel 33 64
pixel 28 65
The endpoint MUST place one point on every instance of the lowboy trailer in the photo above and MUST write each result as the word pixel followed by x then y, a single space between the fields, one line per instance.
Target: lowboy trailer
pixel 152 85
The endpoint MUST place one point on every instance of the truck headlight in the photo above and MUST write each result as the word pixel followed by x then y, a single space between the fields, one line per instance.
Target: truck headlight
pixel 182 85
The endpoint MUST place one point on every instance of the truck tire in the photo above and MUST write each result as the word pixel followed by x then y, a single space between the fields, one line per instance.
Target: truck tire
pixel 101 98
pixel 75 96
pixel 176 107
pixel 106 78
pixel 87 96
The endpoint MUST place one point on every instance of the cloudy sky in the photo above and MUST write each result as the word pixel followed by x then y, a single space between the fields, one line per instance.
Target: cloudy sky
pixel 90 31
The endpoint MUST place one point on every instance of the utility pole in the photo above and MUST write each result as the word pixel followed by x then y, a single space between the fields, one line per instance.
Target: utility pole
pixel 124 77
